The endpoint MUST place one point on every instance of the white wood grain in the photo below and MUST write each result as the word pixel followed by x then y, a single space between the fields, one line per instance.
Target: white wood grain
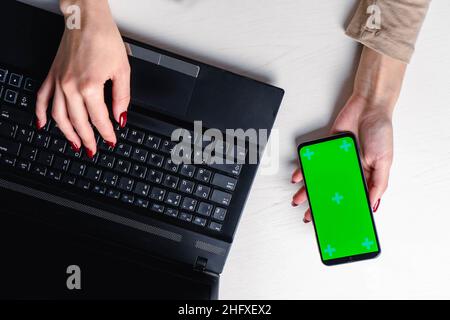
pixel 300 46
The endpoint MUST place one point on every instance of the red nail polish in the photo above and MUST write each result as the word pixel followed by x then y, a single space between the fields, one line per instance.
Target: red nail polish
pixel 377 204
pixel 123 119
pixel 111 144
pixel 294 204
pixel 38 124
pixel 74 147
pixel 305 220
pixel 90 153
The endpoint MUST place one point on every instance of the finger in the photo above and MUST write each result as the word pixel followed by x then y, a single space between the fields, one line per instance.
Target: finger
pixel 299 197
pixel 59 114
pixel 43 100
pixel 121 96
pixel 79 118
pixel 307 218
pixel 98 113
pixel 297 176
pixel 379 179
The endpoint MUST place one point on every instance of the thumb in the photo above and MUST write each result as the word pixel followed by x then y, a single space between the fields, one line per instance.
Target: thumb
pixel 121 96
pixel 379 179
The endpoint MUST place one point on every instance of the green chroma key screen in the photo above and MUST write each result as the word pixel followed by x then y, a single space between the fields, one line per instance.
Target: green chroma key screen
pixel 338 200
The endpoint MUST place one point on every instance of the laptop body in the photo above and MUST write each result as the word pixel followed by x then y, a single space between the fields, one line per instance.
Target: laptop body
pixel 57 212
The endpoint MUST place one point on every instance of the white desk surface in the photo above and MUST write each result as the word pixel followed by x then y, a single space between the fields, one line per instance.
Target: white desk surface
pixel 300 46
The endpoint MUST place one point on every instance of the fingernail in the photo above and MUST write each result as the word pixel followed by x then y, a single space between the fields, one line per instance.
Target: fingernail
pixel 111 144
pixel 90 153
pixel 377 204
pixel 305 220
pixel 294 204
pixel 74 147
pixel 38 124
pixel 123 119
pixel 292 181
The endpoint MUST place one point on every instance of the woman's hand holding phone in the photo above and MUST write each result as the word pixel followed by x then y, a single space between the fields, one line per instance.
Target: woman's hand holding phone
pixel 368 114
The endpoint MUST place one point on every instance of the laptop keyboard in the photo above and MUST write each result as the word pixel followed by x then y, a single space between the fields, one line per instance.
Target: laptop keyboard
pixel 138 171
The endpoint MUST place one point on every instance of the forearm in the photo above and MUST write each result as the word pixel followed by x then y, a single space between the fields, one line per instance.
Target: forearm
pixel 379 80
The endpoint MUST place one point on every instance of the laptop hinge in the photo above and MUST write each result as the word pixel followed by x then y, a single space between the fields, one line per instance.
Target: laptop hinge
pixel 200 264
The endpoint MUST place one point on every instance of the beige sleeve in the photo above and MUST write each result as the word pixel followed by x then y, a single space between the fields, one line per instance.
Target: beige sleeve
pixel 390 27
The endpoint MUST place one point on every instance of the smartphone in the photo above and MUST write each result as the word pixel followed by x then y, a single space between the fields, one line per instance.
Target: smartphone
pixel 338 199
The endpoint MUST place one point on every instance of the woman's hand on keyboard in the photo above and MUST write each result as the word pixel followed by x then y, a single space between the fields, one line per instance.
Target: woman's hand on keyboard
pixel 86 59
pixel 368 114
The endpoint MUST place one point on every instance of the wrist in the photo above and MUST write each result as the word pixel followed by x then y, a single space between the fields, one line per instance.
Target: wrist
pixel 378 81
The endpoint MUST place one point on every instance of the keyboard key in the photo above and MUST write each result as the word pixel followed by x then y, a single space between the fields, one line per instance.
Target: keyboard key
pixel 23 165
pixel 3 75
pixel 215 226
pixel 8 161
pixel 139 155
pixel 139 171
pixel 171 212
pixel 170 166
pixel 157 208
pixel 167 146
pixel 152 142
pixel 69 179
pixel 71 153
pixel 10 96
pixel 54 175
pixel 142 203
pixel 125 184
pixel 41 140
pixel 24 135
pixel 141 189
pixel 30 85
pixel 155 160
pixel 16 116
pixel 233 169
pixel 188 204
pixel 170 181
pixel 219 213
pixel 204 209
pixel 60 164
pixel 77 168
pixel 9 147
pixel 93 174
pixel 173 199
pixel 99 189
pixel 221 197
pixel 224 182
pixel 203 175
pixel 127 198
pixel 136 136
pixel 45 158
pixel 15 80
pixel 186 186
pixel 123 166
pixel 123 150
pixel 154 176
pixel 7 130
pixel 187 170
pixel 185 217
pixel 157 194
pixel 25 101
pixel 39 170
pixel 83 184
pixel 110 179
pixel 202 191
pixel 114 194
pixel 106 161
pixel 54 130
pixel 199 221
pixel 92 160
pixel 104 146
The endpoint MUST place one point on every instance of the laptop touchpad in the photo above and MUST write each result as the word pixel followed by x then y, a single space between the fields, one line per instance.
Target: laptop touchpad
pixel 160 88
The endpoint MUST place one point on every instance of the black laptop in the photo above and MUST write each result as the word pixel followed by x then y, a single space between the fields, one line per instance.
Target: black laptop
pixel 135 223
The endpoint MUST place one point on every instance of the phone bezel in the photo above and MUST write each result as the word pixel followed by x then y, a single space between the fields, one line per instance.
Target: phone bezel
pixel 358 257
